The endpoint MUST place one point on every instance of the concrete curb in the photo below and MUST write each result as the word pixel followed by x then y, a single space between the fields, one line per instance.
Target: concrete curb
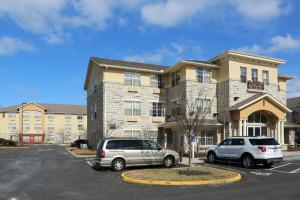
pixel 236 178
pixel 14 147
pixel 80 156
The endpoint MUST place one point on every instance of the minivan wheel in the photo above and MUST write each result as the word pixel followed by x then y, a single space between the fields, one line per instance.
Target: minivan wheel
pixel 169 161
pixel 118 164
pixel 248 161
pixel 211 157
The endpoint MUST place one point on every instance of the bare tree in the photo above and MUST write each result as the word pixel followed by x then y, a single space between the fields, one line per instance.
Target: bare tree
pixel 190 114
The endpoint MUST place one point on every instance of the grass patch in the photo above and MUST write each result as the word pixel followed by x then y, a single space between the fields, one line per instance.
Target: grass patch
pixel 198 173
pixel 83 151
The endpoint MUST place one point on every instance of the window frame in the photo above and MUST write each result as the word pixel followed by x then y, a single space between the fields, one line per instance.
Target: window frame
pixel 202 102
pixel 175 78
pixel 133 111
pixel 266 79
pixel 156 81
pixel 132 79
pixel 254 72
pixel 203 75
pixel 243 74
pixel 157 109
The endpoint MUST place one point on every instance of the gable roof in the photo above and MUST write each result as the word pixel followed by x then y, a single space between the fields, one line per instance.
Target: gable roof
pixel 251 100
pixel 52 108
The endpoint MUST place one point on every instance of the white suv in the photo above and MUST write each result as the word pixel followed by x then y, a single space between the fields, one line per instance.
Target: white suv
pixel 247 150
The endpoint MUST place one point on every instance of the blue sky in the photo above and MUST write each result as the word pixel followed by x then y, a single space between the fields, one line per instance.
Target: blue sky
pixel 45 45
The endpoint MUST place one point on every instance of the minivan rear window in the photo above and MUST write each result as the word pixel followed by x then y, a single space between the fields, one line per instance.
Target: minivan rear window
pixel 132 144
pixel 268 141
pixel 114 144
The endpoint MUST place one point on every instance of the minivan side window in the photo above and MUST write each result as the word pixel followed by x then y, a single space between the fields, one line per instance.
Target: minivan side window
pixel 238 142
pixel 132 144
pixel 114 144
pixel 150 145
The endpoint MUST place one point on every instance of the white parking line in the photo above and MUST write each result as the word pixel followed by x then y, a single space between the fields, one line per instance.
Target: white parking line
pixel 295 171
pixel 90 163
pixel 280 166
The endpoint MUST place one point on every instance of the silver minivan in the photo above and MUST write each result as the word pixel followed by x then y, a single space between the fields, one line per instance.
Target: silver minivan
pixel 120 153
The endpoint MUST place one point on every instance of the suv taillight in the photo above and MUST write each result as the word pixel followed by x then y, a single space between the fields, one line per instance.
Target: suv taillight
pixel 263 149
pixel 102 154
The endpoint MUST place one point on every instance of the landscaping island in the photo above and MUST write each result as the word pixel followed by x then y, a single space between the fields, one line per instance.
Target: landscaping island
pixel 200 175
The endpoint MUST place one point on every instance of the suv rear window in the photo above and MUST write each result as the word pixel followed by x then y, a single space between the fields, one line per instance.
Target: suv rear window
pixel 269 141
pixel 114 144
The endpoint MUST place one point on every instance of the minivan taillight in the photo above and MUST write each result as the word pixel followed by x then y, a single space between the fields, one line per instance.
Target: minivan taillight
pixel 263 149
pixel 102 154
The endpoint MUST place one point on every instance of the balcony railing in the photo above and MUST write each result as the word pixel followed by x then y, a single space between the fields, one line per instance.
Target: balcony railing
pixel 255 85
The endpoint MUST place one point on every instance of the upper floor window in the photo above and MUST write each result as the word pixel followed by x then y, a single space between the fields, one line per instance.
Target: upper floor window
pixel 175 107
pixel 68 116
pixel 265 77
pixel 37 115
pixel 80 117
pixel 158 109
pixel 175 78
pixel 156 81
pixel 50 116
pixel 132 108
pixel 203 75
pixel 254 75
pixel 204 105
pixel 243 74
pixel 80 127
pixel 132 79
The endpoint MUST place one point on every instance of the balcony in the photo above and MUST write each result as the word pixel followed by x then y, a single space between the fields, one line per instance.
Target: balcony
pixel 255 86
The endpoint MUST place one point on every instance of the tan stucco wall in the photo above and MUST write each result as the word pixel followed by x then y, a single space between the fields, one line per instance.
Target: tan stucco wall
pixel 264 105
pixel 282 84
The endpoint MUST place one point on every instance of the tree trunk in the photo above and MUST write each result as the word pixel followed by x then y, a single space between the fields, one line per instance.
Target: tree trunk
pixel 190 153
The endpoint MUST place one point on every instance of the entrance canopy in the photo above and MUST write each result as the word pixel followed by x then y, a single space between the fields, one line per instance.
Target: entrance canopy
pixel 259 102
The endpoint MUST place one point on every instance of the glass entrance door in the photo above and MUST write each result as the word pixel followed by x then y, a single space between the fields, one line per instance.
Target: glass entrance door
pixel 254 131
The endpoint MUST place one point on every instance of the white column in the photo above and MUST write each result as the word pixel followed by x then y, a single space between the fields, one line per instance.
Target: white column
pixel 229 129
pixel 244 127
pixel 240 128
pixel 277 132
pixel 282 131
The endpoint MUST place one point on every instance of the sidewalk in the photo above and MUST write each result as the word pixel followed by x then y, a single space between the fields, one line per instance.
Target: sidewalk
pixel 195 161
pixel 290 153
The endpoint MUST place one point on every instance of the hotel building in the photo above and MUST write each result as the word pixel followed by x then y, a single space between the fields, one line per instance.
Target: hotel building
pixel 34 123
pixel 246 92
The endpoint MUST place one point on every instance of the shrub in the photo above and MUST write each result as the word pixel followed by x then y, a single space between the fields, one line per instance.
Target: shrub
pixel 4 142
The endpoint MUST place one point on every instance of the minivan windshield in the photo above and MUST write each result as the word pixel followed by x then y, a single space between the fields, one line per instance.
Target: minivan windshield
pixel 266 141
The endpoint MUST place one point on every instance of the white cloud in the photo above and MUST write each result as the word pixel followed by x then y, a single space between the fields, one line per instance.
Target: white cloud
pixel 10 45
pixel 277 43
pixel 293 88
pixel 262 10
pixel 171 12
pixel 171 52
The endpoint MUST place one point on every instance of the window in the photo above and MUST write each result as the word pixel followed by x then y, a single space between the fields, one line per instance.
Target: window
pixel 12 126
pixel 203 75
pixel 175 78
pixel 132 108
pixel 37 115
pixel 37 127
pixel 156 81
pixel 51 127
pixel 132 79
pixel 133 133
pixel 68 127
pixel 38 138
pixel 206 138
pixel 80 127
pixel 150 145
pixel 268 141
pixel 158 109
pixel 26 115
pixel 50 116
pixel 26 138
pixel 226 142
pixel 257 117
pixel 265 77
pixel 68 116
pixel 243 74
pixel 204 105
pixel 152 135
pixel 175 107
pixel 132 144
pixel 26 127
pixel 114 144
pixel 12 115
pixel 80 117
pixel 238 142
pixel 254 74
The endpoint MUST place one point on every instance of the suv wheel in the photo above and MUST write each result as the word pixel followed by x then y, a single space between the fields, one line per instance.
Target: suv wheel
pixel 248 161
pixel 211 157
pixel 118 164
pixel 169 161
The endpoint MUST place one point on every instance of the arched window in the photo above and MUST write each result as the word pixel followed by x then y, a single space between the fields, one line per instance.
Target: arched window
pixel 257 117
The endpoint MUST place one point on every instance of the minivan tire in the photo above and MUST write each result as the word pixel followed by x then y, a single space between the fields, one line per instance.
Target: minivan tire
pixel 169 161
pixel 248 161
pixel 118 164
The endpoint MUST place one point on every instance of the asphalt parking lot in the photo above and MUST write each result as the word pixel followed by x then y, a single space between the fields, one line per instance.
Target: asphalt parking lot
pixel 50 172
